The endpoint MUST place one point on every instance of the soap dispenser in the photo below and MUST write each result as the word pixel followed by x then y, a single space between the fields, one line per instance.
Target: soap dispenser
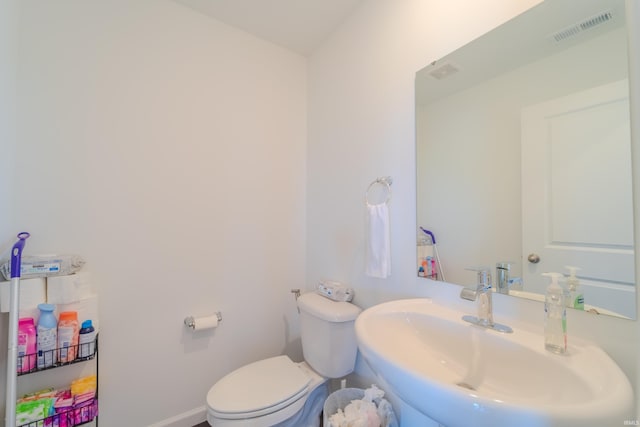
pixel 576 298
pixel 555 317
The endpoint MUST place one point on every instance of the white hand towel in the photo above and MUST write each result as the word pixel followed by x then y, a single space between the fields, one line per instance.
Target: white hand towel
pixel 378 251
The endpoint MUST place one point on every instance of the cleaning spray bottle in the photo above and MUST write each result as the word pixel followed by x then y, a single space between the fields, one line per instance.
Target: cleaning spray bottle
pixel 576 298
pixel 555 316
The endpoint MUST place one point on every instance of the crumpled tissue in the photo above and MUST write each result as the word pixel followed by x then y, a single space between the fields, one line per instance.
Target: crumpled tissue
pixel 364 412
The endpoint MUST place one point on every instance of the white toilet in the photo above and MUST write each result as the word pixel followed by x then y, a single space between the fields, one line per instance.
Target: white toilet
pixel 279 392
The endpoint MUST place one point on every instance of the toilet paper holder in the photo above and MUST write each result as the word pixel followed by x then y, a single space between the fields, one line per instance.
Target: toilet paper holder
pixel 190 321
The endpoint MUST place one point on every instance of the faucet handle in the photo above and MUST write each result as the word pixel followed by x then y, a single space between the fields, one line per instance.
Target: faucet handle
pixel 517 281
pixel 504 265
pixel 468 294
pixel 484 276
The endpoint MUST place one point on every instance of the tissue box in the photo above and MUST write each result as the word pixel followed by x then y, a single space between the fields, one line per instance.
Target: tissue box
pixel 32 293
pixel 69 288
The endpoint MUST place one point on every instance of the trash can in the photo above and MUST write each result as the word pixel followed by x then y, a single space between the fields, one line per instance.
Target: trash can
pixel 341 398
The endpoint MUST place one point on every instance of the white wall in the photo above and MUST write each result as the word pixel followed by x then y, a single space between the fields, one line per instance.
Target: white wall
pixel 8 20
pixel 168 150
pixel 361 125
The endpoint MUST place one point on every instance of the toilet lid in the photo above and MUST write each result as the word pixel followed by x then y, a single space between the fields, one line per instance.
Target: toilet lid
pixel 258 388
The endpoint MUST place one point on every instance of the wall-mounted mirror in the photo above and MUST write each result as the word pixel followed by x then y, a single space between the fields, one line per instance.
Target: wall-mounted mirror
pixel 523 155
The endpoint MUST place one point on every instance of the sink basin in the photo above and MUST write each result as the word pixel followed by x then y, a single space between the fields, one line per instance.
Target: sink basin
pixel 460 374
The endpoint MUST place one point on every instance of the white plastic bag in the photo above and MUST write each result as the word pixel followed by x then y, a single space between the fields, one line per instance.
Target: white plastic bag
pixel 338 401
pixel 44 266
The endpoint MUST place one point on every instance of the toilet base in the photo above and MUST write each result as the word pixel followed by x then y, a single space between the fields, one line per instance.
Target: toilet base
pixel 311 412
pixel 307 416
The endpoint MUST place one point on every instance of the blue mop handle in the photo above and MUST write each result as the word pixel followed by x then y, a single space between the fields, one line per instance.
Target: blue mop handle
pixel 16 254
pixel 12 346
pixel 433 238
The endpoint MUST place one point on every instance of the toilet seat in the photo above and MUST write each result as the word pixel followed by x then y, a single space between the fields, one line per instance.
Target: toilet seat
pixel 259 389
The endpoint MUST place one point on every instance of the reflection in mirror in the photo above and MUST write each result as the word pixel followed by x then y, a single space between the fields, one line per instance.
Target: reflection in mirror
pixel 523 155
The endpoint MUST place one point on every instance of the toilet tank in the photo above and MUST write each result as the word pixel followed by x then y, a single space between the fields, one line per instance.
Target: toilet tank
pixel 328 335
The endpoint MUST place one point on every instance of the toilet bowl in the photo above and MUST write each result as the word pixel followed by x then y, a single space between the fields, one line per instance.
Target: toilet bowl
pixel 266 393
pixel 279 392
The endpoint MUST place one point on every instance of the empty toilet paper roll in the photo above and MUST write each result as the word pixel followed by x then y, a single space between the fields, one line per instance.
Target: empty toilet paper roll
pixel 202 323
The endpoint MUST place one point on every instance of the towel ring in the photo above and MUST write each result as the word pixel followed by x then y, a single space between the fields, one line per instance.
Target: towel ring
pixel 385 182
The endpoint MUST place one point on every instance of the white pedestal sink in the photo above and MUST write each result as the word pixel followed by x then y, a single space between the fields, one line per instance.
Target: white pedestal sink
pixel 461 375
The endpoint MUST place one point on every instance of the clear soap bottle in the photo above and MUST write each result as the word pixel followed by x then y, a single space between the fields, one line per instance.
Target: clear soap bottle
pixel 576 298
pixel 555 317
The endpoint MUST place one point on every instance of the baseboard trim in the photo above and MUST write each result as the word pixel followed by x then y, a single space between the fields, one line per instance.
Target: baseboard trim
pixel 186 419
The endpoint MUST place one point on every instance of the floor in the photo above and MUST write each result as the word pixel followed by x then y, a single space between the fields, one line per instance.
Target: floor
pixel 206 424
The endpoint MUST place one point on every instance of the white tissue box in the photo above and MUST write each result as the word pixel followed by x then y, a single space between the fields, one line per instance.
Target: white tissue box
pixel 69 288
pixel 32 293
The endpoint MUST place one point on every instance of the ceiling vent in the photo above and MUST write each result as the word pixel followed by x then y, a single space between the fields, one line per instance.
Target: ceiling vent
pixel 443 71
pixel 584 25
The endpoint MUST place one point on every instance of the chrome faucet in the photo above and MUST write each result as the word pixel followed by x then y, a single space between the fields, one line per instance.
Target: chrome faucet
pixel 503 279
pixel 483 293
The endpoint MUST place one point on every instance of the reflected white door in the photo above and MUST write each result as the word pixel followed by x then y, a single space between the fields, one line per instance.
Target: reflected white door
pixel 576 190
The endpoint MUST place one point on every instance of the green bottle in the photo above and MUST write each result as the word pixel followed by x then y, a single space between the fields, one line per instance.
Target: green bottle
pixel 576 298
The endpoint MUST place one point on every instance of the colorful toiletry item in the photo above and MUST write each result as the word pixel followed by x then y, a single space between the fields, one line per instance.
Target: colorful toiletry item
pixel 87 340
pixel 26 344
pixel 434 271
pixel 84 388
pixel 576 298
pixel 60 408
pixel 68 331
pixel 33 411
pixel 47 336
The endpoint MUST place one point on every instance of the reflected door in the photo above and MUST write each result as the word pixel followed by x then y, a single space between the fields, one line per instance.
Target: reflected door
pixel 576 193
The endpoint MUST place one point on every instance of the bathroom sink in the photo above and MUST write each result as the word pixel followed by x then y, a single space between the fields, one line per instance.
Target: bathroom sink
pixel 460 374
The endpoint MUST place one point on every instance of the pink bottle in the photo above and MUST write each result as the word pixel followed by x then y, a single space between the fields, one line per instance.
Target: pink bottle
pixel 26 345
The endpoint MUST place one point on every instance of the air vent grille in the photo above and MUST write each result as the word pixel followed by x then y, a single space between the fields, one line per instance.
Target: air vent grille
pixel 443 71
pixel 584 25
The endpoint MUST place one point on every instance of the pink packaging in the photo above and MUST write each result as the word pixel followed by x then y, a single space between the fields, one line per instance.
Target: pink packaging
pixel 26 345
